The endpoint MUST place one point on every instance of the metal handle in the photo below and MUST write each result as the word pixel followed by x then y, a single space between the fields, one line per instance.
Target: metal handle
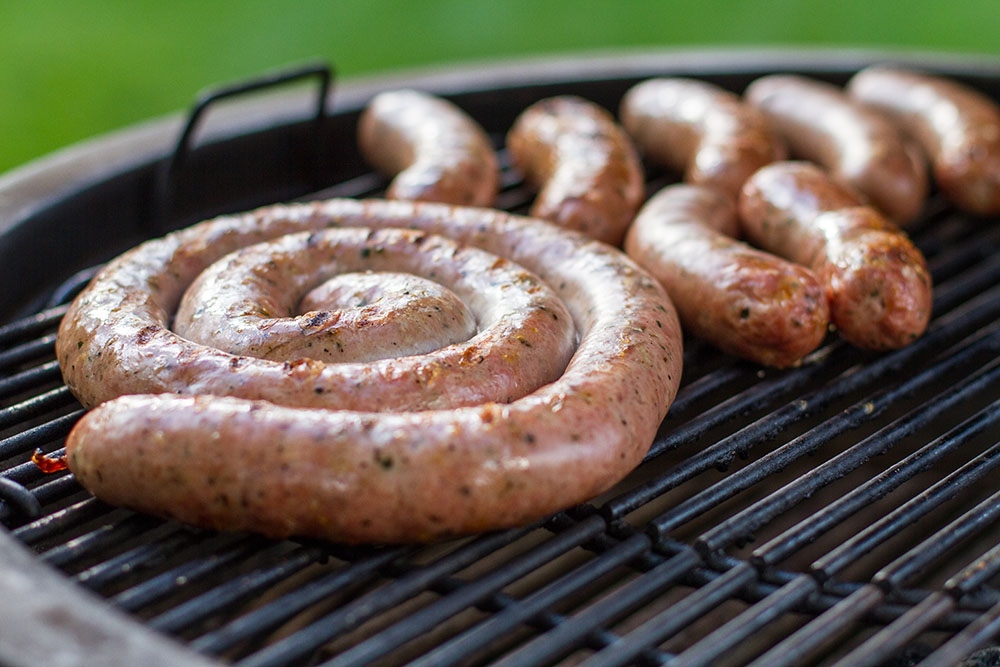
pixel 172 166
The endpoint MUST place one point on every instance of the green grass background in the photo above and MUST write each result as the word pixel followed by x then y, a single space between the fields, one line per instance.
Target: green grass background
pixel 72 70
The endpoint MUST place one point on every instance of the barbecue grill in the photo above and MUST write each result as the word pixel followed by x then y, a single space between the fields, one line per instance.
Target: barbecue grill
pixel 843 512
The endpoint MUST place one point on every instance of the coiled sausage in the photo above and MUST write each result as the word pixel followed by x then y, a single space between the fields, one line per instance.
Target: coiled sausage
pixel 957 126
pixel 701 131
pixel 432 149
pixel 819 122
pixel 744 301
pixel 363 474
pixel 585 168
pixel 876 280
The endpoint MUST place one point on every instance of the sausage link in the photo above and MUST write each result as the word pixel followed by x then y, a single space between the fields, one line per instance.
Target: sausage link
pixel 703 132
pixel 819 122
pixel 957 126
pixel 364 473
pixel 876 280
pixel 585 168
pixel 244 304
pixel 432 150
pixel 746 302
pixel 360 317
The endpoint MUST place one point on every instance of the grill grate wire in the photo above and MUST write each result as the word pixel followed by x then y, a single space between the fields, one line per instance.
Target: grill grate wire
pixel 776 514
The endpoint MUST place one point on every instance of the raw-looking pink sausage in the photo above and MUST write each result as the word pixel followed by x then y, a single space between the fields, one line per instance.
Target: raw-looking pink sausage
pixel 432 149
pixel 699 130
pixel 587 172
pixel 358 316
pixel 876 280
pixel 744 301
pixel 957 126
pixel 819 122
pixel 246 304
pixel 362 474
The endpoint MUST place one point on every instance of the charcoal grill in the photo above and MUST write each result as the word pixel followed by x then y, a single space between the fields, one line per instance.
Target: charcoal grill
pixel 844 512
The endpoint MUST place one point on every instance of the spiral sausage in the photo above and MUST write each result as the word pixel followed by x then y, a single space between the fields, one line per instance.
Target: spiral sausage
pixel 862 147
pixel 957 126
pixel 431 148
pixel 703 132
pixel 744 301
pixel 363 473
pixel 245 304
pixel 876 280
pixel 587 173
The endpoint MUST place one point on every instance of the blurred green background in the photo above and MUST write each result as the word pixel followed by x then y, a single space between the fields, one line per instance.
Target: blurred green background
pixel 71 70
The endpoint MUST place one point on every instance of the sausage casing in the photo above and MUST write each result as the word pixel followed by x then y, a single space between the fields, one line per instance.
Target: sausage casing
pixel 363 474
pixel 245 304
pixel 705 133
pixel 877 281
pixel 432 149
pixel 744 301
pixel 587 172
pixel 957 126
pixel 819 122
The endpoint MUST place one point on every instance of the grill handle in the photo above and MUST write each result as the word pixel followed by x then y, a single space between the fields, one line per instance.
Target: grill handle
pixel 171 167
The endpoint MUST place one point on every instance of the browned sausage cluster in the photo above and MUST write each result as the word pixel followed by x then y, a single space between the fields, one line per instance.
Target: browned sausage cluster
pixel 431 148
pixel 862 147
pixel 585 168
pixel 957 126
pixel 830 215
pixel 744 301
pixel 705 133
pixel 348 466
pixel 876 280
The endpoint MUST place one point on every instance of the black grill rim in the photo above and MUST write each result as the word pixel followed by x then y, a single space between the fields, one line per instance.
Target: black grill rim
pixel 43 185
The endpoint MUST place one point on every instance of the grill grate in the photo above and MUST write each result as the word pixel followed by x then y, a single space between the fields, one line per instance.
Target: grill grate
pixel 840 513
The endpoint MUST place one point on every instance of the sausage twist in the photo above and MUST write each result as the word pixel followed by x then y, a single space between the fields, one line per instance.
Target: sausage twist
pixel 876 280
pixel 744 301
pixel 432 149
pixel 584 166
pixel 704 132
pixel 957 126
pixel 819 122
pixel 255 459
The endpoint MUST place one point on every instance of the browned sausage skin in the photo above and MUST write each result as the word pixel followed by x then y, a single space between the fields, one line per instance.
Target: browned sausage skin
pixel 431 148
pixel 957 126
pixel 587 173
pixel 703 132
pixel 362 474
pixel 877 281
pixel 744 301
pixel 819 122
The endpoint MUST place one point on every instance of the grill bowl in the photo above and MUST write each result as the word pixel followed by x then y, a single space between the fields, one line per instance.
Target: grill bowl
pixel 842 511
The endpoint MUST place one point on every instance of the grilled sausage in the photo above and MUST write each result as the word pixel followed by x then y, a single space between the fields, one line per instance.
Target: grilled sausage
pixel 876 280
pixel 699 130
pixel 246 304
pixel 585 168
pixel 957 126
pixel 744 301
pixel 432 150
pixel 363 473
pixel 819 122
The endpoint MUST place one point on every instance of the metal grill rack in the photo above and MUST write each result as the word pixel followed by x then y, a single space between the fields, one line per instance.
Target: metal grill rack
pixel 844 512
